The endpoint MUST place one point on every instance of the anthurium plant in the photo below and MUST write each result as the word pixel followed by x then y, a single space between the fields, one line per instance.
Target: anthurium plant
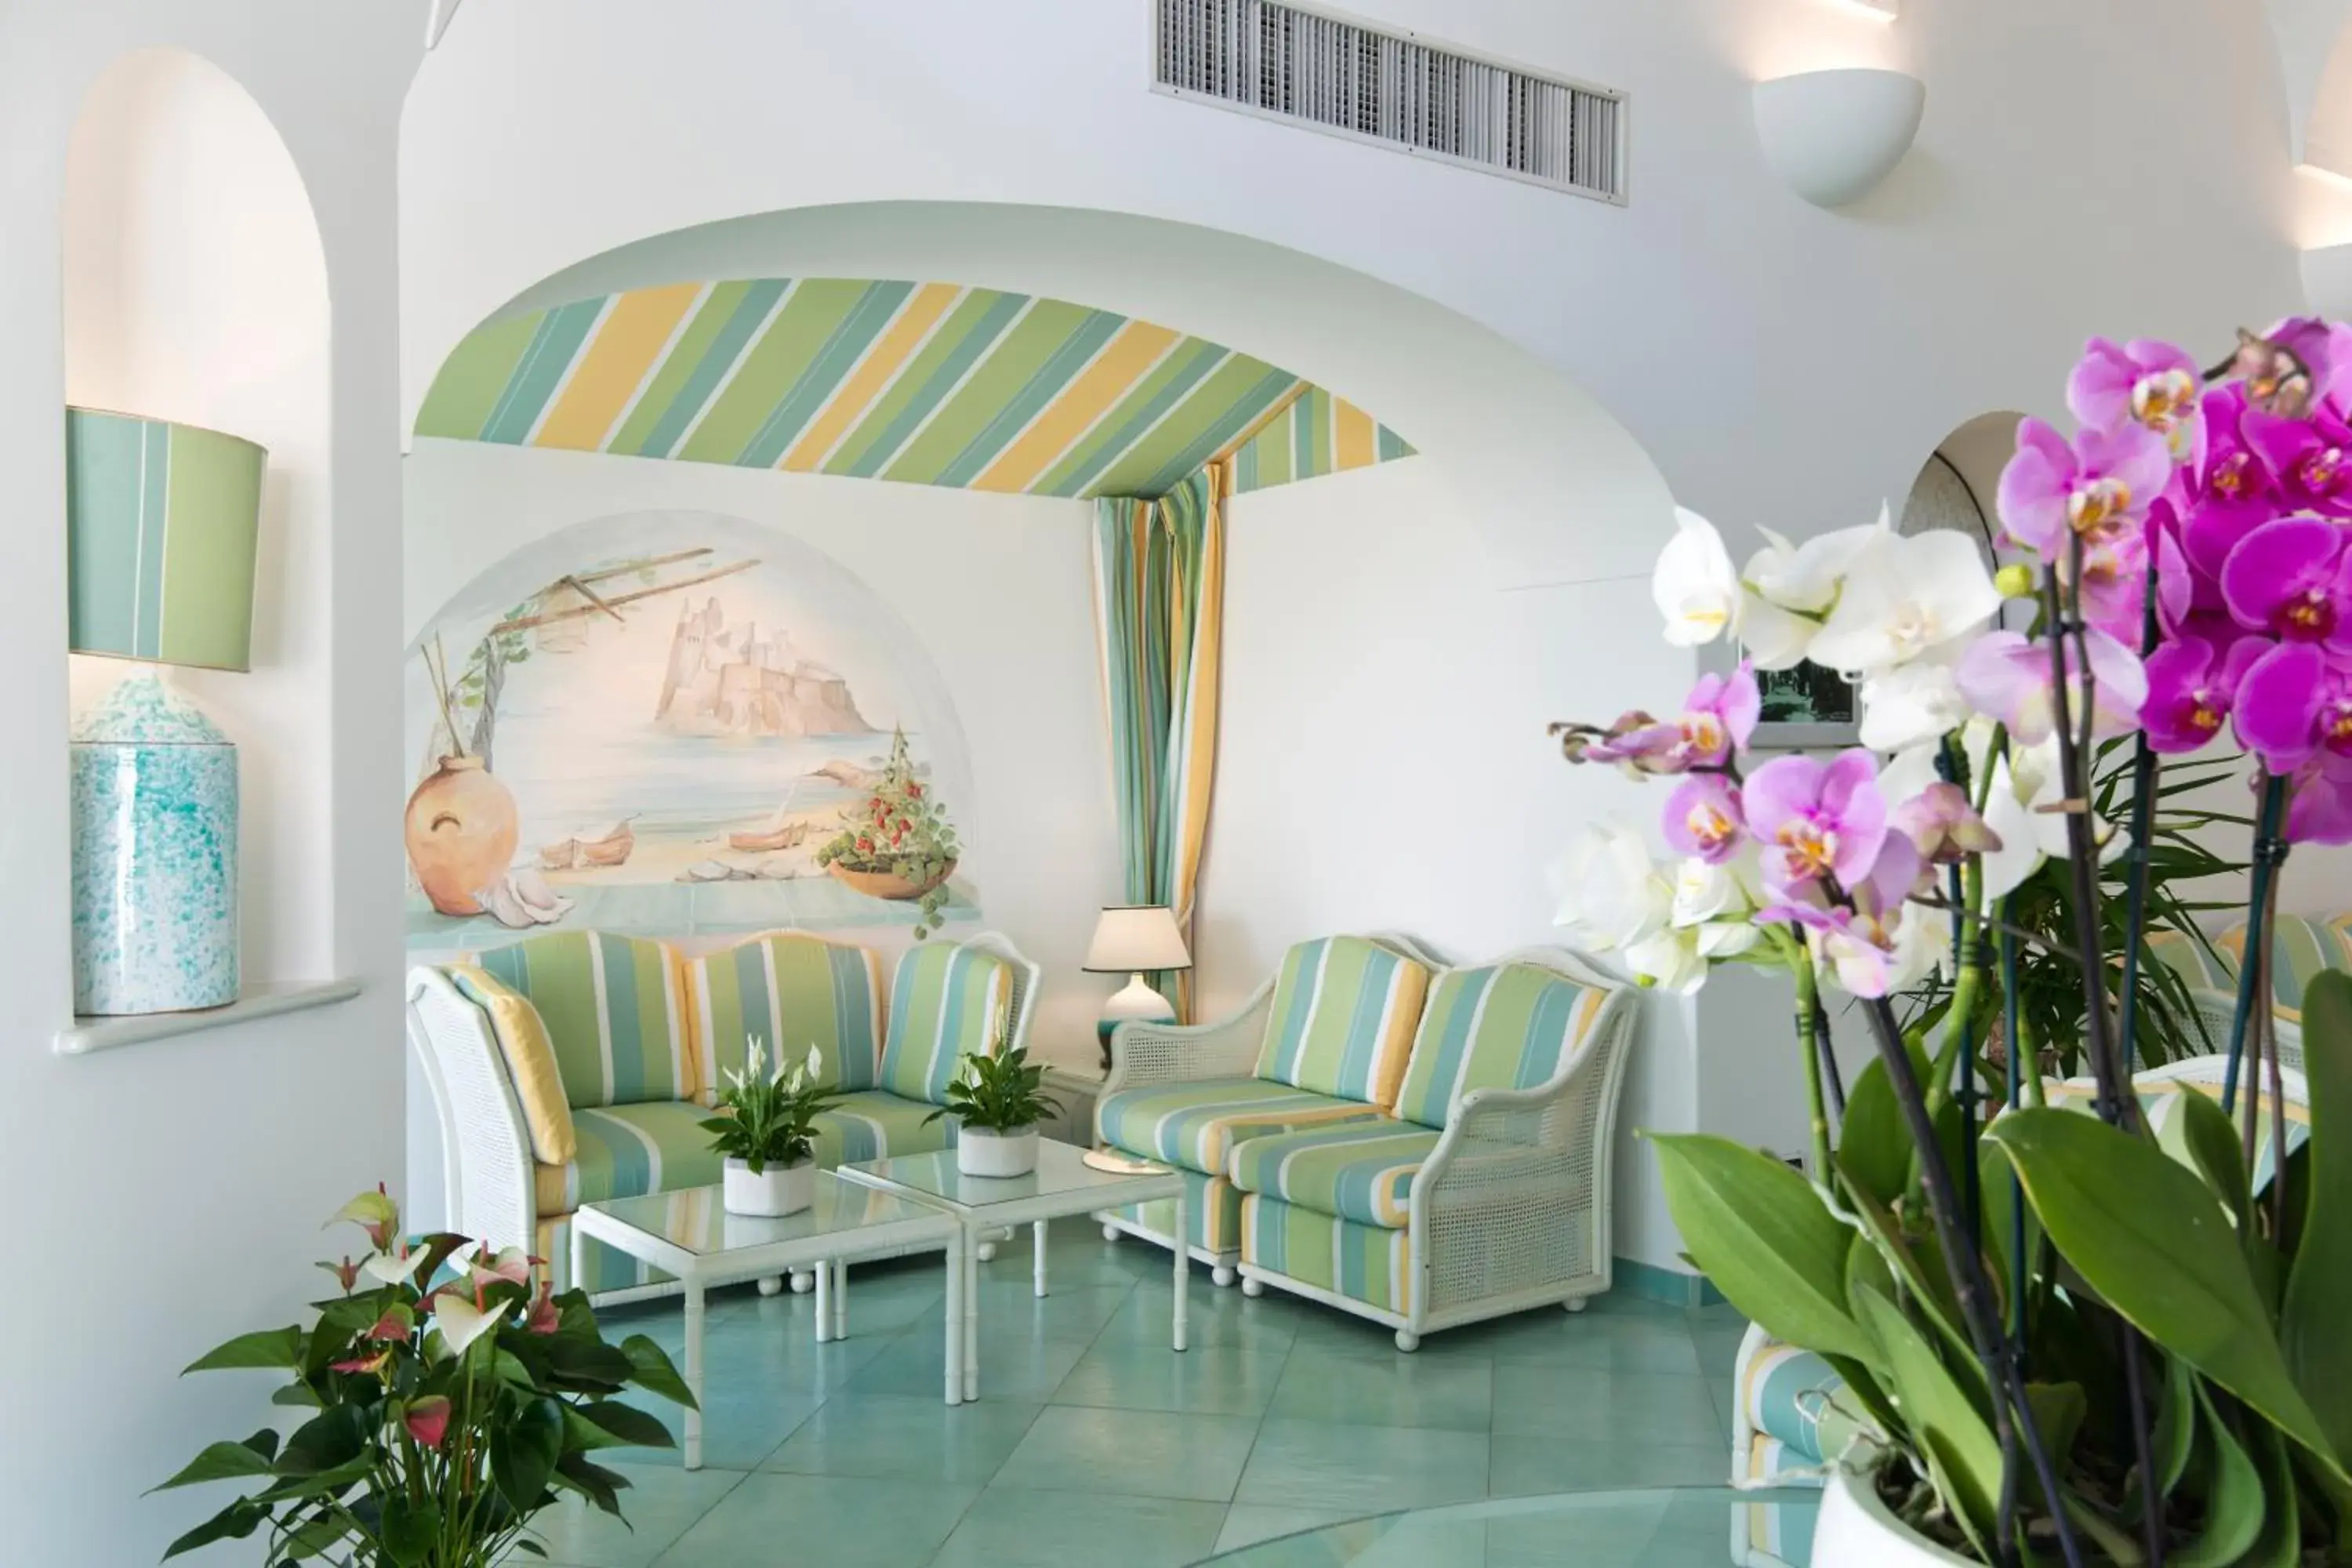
pixel 998 1092
pixel 770 1113
pixel 2078 1343
pixel 901 830
pixel 450 1396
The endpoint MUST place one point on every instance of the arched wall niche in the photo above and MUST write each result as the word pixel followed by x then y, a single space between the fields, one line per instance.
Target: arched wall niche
pixel 195 291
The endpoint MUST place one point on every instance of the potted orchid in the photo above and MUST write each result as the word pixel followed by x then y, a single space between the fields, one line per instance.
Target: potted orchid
pixel 769 1134
pixel 444 1398
pixel 2063 1339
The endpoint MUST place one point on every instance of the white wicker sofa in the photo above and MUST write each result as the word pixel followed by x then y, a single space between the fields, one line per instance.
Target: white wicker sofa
pixel 633 1038
pixel 1420 1145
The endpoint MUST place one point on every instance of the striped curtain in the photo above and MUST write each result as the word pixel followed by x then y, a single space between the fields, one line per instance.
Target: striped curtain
pixel 1159 589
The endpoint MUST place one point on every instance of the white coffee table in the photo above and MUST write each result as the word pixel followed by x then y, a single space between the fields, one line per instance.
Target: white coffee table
pixel 1063 1185
pixel 690 1235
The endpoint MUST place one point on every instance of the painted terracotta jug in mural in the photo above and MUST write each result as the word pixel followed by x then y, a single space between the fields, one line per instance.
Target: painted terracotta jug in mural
pixel 461 831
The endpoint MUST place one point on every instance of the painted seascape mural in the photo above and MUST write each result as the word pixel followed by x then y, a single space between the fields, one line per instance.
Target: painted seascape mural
pixel 676 723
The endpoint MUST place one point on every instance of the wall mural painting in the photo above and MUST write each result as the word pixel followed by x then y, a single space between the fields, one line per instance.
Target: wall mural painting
pixel 675 724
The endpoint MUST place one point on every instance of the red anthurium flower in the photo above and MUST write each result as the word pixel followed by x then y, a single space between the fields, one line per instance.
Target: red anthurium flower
pixel 346 1273
pixel 427 1419
pixel 395 1324
pixel 545 1318
pixel 366 1363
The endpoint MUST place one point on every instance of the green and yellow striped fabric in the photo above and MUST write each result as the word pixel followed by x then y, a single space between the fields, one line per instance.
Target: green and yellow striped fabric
pixel 1342 1023
pixel 1212 1212
pixel 613 1011
pixel 925 383
pixel 2160 1102
pixel 1317 434
pixel 1198 1124
pixel 793 991
pixel 875 1124
pixel 2301 948
pixel 1508 1025
pixel 1367 1263
pixel 1361 1170
pixel 628 1150
pixel 948 1001
pixel 2198 968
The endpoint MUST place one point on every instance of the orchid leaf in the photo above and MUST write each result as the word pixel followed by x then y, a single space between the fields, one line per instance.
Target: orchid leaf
pixel 2210 1145
pixel 228 1461
pixel 2280 1545
pixel 1761 1234
pixel 2176 1426
pixel 1946 1424
pixel 2312 1330
pixel 2151 1239
pixel 2058 1412
pixel 1930 1288
pixel 1874 1150
pixel 272 1348
pixel 651 1371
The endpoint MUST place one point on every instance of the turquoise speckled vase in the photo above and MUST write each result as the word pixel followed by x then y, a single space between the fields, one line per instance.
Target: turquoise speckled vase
pixel 154 855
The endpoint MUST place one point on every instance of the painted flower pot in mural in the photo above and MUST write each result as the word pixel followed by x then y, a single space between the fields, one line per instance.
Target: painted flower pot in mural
pixel 983 1152
pixel 461 831
pixel 887 884
pixel 1857 1530
pixel 771 1192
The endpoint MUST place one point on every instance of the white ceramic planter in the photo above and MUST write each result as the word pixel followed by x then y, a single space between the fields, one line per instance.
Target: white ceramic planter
pixel 981 1153
pixel 1857 1530
pixel 772 1193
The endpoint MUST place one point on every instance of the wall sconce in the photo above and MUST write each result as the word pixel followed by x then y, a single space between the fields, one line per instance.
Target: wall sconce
pixel 1832 135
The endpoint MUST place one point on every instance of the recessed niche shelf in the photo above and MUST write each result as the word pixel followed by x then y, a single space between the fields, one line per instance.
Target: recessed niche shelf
pixel 89 1034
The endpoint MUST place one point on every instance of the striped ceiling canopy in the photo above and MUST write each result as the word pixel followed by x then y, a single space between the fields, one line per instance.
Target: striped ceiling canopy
pixel 929 384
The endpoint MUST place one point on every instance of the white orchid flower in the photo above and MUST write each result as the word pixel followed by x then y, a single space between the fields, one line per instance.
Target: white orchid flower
pixel 1806 577
pixel 1694 584
pixel 1670 960
pixel 1610 895
pixel 1773 637
pixel 1714 903
pixel 1905 598
pixel 1912 704
pixel 459 1322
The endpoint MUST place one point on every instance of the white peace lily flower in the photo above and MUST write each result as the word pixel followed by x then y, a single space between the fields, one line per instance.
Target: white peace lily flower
pixel 1611 896
pixel 815 1064
pixel 1906 597
pixel 1694 584
pixel 1912 704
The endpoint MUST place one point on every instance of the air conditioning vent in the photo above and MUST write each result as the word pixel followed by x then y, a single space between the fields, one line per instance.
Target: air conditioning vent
pixel 1313 68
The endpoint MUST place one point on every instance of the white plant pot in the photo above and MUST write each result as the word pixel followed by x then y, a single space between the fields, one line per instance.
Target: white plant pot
pixel 1857 1530
pixel 772 1193
pixel 981 1153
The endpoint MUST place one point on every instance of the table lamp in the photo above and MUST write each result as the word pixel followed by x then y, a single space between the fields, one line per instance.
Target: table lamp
pixel 1131 940
pixel 161 523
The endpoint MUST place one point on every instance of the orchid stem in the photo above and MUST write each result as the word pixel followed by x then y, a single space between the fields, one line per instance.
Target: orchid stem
pixel 2270 852
pixel 2143 772
pixel 1809 1036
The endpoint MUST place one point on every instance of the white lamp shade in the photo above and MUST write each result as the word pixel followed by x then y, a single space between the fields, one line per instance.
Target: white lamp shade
pixel 1131 941
pixel 1832 135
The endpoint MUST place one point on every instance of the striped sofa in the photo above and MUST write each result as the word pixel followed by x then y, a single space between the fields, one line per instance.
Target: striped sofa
pixel 2301 947
pixel 578 1065
pixel 1420 1145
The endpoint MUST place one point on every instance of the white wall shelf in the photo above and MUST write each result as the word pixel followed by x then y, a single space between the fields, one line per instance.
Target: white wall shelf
pixel 89 1034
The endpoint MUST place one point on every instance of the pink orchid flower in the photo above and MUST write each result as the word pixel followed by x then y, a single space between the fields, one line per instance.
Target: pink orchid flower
pixel 2147 382
pixel 1703 819
pixel 427 1419
pixel 1943 827
pixel 1639 744
pixel 2007 676
pixel 2319 804
pixel 1875 945
pixel 1816 820
pixel 2309 460
pixel 1719 715
pixel 2100 485
pixel 2292 579
pixel 2191 688
pixel 2290 705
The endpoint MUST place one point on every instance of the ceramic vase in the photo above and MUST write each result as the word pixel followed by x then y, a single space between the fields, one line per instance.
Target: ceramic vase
pixel 461 831
pixel 771 1192
pixel 981 1151
pixel 154 855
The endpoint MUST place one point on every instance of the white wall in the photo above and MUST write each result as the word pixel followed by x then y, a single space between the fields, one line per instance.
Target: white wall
pixel 170 1195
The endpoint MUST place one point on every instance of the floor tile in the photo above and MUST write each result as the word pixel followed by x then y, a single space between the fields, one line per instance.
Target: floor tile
pixel 1718 1352
pixel 1015 1528
pixel 1532 1467
pixel 1370 1469
pixel 1536 1400
pixel 1021 1371
pixel 742 1424
pixel 1077 1312
pixel 841 1522
pixel 658 1505
pixel 1137 1453
pixel 920 1439
pixel 1206 1380
pixel 1318 1385
pixel 1248 1523
pixel 1617 1343
pixel 1211 1317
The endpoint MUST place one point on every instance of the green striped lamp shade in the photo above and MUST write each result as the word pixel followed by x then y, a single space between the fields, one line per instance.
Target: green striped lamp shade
pixel 161 522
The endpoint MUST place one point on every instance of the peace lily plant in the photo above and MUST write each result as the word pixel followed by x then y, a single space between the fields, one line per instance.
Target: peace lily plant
pixel 2063 1341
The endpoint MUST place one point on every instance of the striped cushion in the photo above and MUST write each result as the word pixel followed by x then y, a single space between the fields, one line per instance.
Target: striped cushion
pixel 1771 1534
pixel 607 1269
pixel 1212 1212
pixel 1196 1125
pixel 1361 1170
pixel 2160 1102
pixel 522 1040
pixel 613 1011
pixel 948 1003
pixel 628 1150
pixel 1367 1263
pixel 1342 1020
pixel 793 991
pixel 2302 949
pixel 2202 969
pixel 1508 1025
pixel 874 1125
pixel 1785 1394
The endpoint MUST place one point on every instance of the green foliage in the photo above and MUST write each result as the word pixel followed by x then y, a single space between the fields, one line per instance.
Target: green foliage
pixel 771 1115
pixel 447 1412
pixel 999 1093
pixel 902 831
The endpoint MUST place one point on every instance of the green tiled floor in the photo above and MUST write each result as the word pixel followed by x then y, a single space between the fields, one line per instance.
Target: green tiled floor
pixel 1095 1443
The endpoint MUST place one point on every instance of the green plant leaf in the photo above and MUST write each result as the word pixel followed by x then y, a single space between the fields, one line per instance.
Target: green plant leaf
pixel 1931 1288
pixel 1760 1231
pixel 334 1437
pixel 408 1529
pixel 523 1451
pixel 627 1423
pixel 650 1370
pixel 278 1347
pixel 1874 1150
pixel 2203 1136
pixel 1945 1423
pixel 228 1461
pixel 234 1523
pixel 301 1394
pixel 2058 1411
pixel 2151 1239
pixel 2001 1197
pixel 2176 1425
pixel 574 1472
pixel 330 1481
pixel 2312 1328
pixel 2280 1545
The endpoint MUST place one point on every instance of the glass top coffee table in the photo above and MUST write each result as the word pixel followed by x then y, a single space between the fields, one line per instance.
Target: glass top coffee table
pixel 1061 1186
pixel 690 1235
pixel 1677 1528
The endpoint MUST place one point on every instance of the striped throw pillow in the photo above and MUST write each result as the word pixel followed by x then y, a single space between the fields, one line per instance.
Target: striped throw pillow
pixel 947 1002
pixel 615 1011
pixel 1343 1021
pixel 1508 1025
